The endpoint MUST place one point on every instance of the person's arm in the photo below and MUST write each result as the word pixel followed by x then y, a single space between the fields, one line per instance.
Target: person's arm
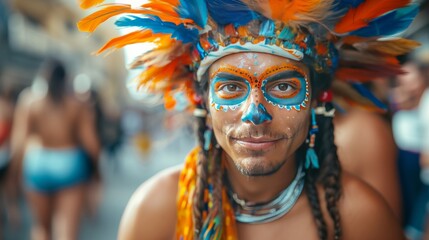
pixel 151 212
pixel 21 130
pixel 368 151
pixel 365 214
pixel 87 135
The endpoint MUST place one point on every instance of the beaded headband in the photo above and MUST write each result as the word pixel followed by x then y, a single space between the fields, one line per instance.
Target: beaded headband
pixel 351 41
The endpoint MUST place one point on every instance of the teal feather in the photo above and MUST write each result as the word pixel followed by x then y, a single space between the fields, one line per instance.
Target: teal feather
pixel 311 159
pixel 195 10
pixel 207 139
pixel 389 24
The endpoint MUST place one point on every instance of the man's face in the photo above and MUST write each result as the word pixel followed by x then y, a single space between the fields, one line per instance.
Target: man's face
pixel 259 107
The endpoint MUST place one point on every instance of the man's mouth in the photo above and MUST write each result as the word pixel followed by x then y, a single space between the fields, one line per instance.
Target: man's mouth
pixel 257 143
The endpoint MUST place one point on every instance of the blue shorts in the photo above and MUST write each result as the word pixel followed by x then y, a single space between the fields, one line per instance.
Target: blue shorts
pixel 51 170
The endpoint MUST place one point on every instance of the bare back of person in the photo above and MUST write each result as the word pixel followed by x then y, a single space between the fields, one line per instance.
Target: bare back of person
pixel 56 166
pixel 55 123
pixel 151 214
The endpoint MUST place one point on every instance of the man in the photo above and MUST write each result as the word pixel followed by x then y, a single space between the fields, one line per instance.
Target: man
pixel 257 75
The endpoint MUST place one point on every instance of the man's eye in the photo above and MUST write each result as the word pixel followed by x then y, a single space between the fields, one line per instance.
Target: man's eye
pixel 230 88
pixel 282 87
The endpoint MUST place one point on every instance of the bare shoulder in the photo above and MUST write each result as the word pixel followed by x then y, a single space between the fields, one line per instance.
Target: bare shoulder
pixel 151 211
pixel 365 214
pixel 360 129
pixel 356 120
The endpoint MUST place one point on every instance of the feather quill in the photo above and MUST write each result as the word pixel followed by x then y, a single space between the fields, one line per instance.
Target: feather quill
pixel 368 10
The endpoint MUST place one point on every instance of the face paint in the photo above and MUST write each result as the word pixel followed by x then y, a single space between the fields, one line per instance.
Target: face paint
pixel 256 115
pixel 285 86
pixel 255 60
pixel 229 88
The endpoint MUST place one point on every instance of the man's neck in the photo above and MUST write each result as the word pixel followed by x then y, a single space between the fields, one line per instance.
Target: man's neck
pixel 260 189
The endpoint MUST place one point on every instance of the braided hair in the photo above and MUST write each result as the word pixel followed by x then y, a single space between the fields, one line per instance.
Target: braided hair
pixel 328 175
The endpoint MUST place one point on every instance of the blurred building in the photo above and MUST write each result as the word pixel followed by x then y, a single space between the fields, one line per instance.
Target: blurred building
pixel 31 31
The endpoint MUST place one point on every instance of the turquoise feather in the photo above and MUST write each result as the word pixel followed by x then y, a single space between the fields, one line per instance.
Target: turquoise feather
pixel 311 159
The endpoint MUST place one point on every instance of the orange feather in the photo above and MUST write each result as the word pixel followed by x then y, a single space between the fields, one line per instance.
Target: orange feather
pixel 91 22
pixel 394 47
pixel 164 7
pixel 360 16
pixel 85 4
pixel 130 38
pixel 290 11
pixel 361 74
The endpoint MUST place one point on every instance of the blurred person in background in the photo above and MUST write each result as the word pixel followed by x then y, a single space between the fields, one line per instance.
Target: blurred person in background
pixel 7 209
pixel 54 145
pixel 410 102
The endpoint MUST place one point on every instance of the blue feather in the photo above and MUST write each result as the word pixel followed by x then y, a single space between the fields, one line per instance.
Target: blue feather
pixel 225 12
pixel 362 90
pixel 389 24
pixel 154 23
pixel 195 10
pixel 311 159
pixel 346 4
pixel 268 29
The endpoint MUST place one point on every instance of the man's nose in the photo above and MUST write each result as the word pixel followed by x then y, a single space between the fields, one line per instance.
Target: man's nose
pixel 256 114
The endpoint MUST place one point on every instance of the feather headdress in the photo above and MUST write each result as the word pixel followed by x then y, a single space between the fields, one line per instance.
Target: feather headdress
pixel 345 38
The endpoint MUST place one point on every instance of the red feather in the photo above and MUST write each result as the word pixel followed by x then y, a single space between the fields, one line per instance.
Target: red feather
pixel 360 16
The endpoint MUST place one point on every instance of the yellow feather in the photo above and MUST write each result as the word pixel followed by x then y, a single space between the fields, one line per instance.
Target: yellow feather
pixel 393 47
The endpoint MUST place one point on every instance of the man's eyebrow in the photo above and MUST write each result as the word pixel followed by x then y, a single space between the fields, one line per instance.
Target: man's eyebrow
pixel 229 76
pixel 284 74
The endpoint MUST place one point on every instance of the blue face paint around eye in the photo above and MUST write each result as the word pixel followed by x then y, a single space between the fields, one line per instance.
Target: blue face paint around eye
pixel 225 104
pixel 256 114
pixel 296 102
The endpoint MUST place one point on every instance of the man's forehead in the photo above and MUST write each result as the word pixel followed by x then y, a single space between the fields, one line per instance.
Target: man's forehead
pixel 253 59
pixel 255 62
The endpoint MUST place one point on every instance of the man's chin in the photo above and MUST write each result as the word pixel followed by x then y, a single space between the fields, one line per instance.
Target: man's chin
pixel 256 167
